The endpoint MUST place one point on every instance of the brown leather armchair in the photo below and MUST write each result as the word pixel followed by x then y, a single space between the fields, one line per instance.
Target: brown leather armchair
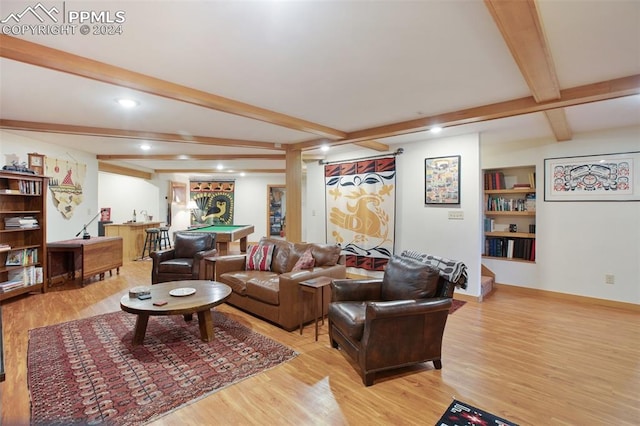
pixel 185 260
pixel 391 322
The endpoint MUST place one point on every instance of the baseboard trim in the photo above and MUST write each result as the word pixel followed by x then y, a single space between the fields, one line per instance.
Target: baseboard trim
pixel 565 296
pixel 466 297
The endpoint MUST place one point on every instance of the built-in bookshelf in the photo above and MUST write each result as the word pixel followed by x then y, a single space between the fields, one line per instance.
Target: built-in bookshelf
pixel 22 233
pixel 510 214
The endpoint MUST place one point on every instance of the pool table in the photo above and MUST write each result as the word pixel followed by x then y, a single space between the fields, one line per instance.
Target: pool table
pixel 226 234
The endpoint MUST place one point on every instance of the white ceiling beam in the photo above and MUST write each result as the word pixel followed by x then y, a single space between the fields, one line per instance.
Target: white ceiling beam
pixel 69 129
pixel 595 92
pixel 46 57
pixel 557 119
pixel 190 157
pixel 521 28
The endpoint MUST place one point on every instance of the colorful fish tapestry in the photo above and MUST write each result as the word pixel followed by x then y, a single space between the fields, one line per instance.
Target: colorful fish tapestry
pixel 361 203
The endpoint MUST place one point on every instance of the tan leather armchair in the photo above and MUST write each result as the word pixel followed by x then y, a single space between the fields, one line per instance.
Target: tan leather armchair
pixel 391 322
pixel 185 260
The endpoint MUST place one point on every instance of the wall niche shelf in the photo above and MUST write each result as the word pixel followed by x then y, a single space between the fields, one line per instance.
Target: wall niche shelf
pixel 510 214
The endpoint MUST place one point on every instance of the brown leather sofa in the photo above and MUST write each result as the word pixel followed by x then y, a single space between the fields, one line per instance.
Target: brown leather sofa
pixel 185 260
pixel 392 322
pixel 273 295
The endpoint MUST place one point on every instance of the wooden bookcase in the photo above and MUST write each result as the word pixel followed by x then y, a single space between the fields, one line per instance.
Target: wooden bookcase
pixel 2 375
pixel 510 214
pixel 23 195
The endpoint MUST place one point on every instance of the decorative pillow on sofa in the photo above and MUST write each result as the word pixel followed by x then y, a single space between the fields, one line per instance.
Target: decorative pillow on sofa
pixel 259 257
pixel 306 261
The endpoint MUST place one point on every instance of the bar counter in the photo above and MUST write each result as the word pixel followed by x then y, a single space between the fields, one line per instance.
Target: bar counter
pixel 133 235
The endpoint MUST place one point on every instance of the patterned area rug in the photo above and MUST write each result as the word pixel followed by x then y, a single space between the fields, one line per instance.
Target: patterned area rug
pixel 88 372
pixel 455 305
pixel 462 414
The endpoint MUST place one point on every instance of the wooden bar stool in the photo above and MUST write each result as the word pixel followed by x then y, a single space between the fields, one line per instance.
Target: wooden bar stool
pixel 151 241
pixel 164 240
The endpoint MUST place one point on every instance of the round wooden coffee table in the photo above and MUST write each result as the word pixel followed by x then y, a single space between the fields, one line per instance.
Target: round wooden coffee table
pixel 207 295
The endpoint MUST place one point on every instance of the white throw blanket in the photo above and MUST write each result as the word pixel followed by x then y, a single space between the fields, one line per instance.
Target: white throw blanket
pixel 451 270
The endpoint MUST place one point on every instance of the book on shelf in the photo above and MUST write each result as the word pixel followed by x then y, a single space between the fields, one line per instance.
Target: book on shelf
pixel 5 247
pixel 510 245
pixel 497 180
pixel 20 222
pixel 29 275
pixel 511 248
pixel 30 187
pixel 494 180
pixel 489 225
pixel 530 202
pixel 10 285
pixel 498 204
pixel 22 257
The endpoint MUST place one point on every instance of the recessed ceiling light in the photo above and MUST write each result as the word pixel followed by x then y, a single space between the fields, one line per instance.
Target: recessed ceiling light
pixel 145 147
pixel 127 103
pixel 243 174
pixel 324 148
pixel 220 167
pixel 435 129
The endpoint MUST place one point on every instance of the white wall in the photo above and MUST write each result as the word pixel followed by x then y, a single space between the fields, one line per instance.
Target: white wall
pixel 251 202
pixel 314 215
pixel 124 194
pixel 59 227
pixel 577 243
pixel 426 228
pixel 419 227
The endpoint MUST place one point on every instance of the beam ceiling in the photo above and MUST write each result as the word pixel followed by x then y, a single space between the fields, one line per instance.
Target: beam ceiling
pixel 43 56
pixel 520 25
pixel 518 22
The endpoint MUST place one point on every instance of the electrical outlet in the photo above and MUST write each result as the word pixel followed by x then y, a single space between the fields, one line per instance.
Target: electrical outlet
pixel 609 279
pixel 456 215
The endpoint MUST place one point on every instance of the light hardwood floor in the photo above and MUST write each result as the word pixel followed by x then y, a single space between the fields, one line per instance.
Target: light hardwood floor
pixel 532 359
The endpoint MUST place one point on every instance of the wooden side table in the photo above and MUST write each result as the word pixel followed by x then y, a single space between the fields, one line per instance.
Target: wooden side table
pixel 314 286
pixel 209 272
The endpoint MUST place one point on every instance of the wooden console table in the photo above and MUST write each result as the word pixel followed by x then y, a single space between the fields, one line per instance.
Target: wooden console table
pixel 133 235
pixel 94 256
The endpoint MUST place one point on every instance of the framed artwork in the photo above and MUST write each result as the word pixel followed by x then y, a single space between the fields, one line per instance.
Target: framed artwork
pixel 442 180
pixel 14 258
pixel 606 177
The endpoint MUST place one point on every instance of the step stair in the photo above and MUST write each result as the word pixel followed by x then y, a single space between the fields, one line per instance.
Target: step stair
pixel 486 286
